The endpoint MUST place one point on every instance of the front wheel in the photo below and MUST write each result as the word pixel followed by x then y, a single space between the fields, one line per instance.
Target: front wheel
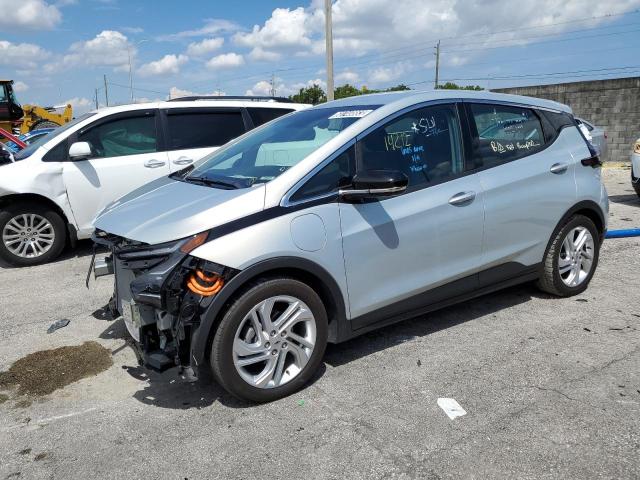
pixel 571 258
pixel 31 234
pixel 270 341
pixel 635 182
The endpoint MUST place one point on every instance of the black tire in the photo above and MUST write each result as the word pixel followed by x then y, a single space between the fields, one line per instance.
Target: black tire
pixel 221 359
pixel 44 124
pixel 56 221
pixel 635 182
pixel 550 280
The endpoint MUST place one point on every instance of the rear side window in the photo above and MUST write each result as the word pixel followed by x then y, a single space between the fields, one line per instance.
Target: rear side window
pixel 264 115
pixel 203 129
pixel 122 137
pixel 504 133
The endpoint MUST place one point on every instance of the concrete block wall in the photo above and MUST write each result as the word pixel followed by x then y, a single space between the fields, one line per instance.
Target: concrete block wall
pixel 613 104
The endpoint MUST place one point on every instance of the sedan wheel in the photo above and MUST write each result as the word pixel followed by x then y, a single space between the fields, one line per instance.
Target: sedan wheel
pixel 576 257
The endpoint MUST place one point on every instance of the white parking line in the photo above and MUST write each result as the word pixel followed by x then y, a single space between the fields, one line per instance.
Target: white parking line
pixel 36 423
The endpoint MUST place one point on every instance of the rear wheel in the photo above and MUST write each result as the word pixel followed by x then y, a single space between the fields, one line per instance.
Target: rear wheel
pixel 571 258
pixel 31 234
pixel 635 181
pixel 270 341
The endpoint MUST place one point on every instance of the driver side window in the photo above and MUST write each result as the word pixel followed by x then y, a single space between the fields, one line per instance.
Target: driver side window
pixel 123 136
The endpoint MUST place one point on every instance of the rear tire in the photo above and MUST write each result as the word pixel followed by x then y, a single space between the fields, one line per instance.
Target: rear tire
pixel 571 258
pixel 290 349
pixel 635 182
pixel 30 234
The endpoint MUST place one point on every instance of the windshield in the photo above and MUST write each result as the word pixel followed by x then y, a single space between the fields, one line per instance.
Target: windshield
pixel 267 152
pixel 29 149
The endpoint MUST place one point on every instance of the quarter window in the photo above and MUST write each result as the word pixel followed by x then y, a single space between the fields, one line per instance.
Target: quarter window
pixel 121 137
pixel 424 144
pixel 505 133
pixel 203 129
pixel 330 178
pixel 264 115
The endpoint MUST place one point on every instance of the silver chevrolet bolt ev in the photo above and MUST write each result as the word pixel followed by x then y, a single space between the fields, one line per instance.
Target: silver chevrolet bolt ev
pixel 352 215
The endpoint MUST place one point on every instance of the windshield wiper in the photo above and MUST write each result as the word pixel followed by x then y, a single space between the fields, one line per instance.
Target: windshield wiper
pixel 210 182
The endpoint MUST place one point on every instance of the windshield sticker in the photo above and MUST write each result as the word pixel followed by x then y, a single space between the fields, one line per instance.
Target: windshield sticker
pixel 350 114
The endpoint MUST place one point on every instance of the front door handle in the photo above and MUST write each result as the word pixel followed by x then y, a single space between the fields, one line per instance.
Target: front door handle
pixel 183 161
pixel 153 163
pixel 462 198
pixel 558 168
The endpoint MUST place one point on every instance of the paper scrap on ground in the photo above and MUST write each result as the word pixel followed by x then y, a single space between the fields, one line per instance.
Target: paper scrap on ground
pixel 451 407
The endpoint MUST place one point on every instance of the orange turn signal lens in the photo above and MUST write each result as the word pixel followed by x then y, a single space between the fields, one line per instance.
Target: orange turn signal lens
pixel 636 147
pixel 194 242
pixel 203 284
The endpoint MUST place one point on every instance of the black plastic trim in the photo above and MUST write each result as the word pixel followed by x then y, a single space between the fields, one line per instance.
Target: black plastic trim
pixel 451 293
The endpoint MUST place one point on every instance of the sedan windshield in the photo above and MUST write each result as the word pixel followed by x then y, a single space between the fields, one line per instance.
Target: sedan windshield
pixel 32 147
pixel 267 152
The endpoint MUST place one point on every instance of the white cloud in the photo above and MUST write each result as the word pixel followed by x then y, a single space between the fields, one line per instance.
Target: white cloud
pixel 81 105
pixel 381 76
pixel 206 46
pixel 226 60
pixel 132 30
pixel 347 76
pixel 28 14
pixel 212 26
pixel 259 54
pixel 167 65
pixel 261 88
pixel 19 86
pixel 176 92
pixel 108 48
pixel 21 55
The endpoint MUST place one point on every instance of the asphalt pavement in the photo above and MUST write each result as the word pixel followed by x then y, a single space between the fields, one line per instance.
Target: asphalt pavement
pixel 551 389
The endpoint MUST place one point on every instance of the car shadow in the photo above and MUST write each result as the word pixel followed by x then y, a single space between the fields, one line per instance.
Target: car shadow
pixel 175 389
pixel 390 336
pixel 630 199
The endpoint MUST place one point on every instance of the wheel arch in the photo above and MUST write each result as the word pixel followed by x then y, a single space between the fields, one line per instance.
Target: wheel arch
pixel 589 209
pixel 42 200
pixel 304 270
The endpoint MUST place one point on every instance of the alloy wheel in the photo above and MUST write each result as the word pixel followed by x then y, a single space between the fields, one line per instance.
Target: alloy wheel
pixel 274 341
pixel 28 235
pixel 576 256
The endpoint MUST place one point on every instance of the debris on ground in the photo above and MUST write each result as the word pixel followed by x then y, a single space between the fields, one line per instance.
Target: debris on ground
pixel 57 325
pixel 43 372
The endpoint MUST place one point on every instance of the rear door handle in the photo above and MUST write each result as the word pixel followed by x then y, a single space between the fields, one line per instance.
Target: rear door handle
pixel 558 168
pixel 183 161
pixel 153 163
pixel 462 198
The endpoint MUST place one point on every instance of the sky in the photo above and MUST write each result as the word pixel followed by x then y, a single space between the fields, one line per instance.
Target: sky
pixel 58 51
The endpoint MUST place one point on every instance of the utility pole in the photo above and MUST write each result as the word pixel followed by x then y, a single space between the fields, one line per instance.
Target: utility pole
pixel 329 43
pixel 272 90
pixel 106 92
pixel 97 106
pixel 437 63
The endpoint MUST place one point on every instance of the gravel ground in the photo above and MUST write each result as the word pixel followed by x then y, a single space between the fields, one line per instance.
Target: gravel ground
pixel 551 388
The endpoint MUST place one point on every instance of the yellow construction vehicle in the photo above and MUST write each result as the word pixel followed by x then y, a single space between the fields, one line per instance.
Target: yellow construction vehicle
pixel 26 118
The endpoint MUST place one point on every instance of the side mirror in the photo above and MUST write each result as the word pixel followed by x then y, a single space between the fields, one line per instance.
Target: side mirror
pixel 80 151
pixel 375 183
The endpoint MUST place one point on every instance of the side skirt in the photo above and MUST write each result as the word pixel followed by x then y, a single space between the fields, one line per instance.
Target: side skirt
pixel 476 285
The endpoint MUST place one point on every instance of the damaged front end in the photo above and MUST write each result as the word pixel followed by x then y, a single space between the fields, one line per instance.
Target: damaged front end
pixel 161 292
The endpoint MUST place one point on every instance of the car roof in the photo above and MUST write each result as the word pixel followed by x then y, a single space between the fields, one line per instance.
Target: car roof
pixel 409 97
pixel 202 104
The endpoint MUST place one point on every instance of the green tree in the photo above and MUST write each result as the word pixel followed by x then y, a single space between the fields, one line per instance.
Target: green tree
pixel 346 90
pixel 313 94
pixel 455 86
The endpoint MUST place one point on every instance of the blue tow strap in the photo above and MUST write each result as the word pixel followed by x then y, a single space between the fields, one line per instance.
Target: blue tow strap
pixel 629 232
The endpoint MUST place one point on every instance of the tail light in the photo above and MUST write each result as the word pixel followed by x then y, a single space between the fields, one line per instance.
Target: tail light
pixel 205 284
pixel 636 147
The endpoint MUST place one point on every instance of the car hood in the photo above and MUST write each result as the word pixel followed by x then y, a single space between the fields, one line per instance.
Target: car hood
pixel 168 209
